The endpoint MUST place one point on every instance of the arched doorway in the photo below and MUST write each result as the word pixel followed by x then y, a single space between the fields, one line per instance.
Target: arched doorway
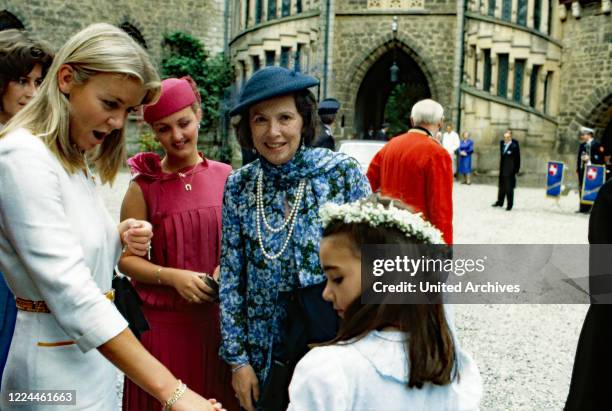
pixel 373 98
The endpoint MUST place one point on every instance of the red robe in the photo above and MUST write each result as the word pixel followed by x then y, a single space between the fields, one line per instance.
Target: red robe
pixel 416 169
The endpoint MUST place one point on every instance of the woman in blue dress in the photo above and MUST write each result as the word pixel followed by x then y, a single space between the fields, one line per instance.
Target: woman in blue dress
pixel 271 224
pixel 466 148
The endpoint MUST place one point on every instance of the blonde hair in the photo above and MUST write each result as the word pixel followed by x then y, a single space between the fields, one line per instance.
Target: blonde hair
pixel 99 48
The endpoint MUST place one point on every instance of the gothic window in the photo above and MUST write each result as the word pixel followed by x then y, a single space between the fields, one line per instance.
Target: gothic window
pixel 486 77
pixel 256 63
pixel 134 33
pixel 506 10
pixel 491 8
pixel 502 75
pixel 519 72
pixel 297 62
pixel 270 58
pixel 258 11
pixel 271 9
pixel 298 6
pixel 537 14
pixel 286 10
pixel 284 57
pixel 521 17
pixel 533 86
pixel 9 21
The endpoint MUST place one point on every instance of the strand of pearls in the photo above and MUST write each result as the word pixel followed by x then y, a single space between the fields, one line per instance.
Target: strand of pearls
pixel 289 221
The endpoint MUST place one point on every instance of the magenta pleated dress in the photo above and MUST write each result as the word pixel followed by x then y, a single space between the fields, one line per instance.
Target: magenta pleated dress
pixel 186 223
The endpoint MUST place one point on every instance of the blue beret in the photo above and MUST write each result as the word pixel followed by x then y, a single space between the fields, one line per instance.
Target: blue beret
pixel 329 106
pixel 271 82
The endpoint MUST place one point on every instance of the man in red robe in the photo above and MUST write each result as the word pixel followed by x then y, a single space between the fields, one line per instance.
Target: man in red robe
pixel 416 169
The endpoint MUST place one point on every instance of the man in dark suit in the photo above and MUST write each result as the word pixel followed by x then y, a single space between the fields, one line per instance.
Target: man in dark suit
pixel 327 114
pixel 509 166
pixel 589 152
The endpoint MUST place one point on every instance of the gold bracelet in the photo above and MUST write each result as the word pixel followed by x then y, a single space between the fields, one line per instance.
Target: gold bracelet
pixel 178 393
pixel 157 272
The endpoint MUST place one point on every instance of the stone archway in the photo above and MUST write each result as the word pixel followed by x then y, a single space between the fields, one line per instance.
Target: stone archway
pixel 360 64
pixel 376 87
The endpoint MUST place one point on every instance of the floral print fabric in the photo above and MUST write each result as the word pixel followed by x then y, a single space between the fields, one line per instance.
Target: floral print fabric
pixel 251 317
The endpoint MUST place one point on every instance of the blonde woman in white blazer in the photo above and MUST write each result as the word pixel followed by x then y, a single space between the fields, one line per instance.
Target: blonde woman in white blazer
pixel 58 245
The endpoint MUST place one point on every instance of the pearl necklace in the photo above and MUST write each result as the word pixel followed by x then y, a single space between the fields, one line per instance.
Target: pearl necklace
pixel 289 221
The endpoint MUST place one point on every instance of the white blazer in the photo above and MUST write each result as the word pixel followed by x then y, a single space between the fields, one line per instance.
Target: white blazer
pixel 57 244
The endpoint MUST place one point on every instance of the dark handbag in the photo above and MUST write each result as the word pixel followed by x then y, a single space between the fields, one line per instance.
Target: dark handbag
pixel 128 303
pixel 310 320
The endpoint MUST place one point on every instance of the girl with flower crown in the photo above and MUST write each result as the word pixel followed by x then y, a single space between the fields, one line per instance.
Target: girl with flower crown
pixel 271 226
pixel 180 194
pixel 385 356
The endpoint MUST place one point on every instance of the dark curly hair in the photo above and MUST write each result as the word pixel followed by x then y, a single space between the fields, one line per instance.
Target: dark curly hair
pixel 306 105
pixel 19 54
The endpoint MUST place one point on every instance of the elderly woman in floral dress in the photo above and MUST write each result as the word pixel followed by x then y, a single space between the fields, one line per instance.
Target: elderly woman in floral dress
pixel 271 227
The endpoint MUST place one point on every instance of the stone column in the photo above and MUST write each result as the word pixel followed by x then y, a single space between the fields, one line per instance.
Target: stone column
pixel 531 12
pixel 251 6
pixel 540 93
pixel 510 81
pixel 527 82
pixel 493 73
pixel 480 67
pixel 498 9
pixel 514 14
pixel 544 21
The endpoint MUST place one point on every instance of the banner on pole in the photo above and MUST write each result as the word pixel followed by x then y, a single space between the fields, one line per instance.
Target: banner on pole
pixel 594 177
pixel 554 178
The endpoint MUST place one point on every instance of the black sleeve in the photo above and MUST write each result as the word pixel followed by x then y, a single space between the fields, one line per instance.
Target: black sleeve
pixel 600 222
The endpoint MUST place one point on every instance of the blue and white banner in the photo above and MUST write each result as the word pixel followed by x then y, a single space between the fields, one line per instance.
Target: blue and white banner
pixel 594 177
pixel 554 178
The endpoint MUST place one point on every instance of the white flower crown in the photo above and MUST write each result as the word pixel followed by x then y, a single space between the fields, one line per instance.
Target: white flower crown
pixel 375 214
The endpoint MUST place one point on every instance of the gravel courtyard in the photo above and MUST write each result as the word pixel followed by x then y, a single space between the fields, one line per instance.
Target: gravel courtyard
pixel 525 352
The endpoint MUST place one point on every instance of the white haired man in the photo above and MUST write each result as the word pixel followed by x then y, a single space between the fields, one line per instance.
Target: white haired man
pixel 416 169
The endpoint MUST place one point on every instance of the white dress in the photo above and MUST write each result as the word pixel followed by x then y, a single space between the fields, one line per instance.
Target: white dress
pixel 371 374
pixel 57 244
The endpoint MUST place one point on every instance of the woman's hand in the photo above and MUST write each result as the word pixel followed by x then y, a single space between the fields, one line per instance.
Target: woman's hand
pixel 136 235
pixel 190 401
pixel 191 286
pixel 246 386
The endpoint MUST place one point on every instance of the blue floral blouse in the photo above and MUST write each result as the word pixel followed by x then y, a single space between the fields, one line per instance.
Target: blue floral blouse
pixel 251 318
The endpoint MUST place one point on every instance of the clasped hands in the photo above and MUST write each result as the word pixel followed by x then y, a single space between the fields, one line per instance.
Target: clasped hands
pixel 192 287
pixel 136 236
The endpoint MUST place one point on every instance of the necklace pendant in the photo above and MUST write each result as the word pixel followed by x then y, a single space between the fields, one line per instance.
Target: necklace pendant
pixel 187 187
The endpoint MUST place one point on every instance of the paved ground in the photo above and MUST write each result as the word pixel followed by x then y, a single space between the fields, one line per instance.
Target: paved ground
pixel 525 352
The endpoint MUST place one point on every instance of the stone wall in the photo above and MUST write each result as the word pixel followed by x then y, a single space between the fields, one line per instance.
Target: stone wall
pixel 56 20
pixel 586 75
pixel 360 40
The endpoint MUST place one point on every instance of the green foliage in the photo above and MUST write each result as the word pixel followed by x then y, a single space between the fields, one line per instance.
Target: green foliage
pixel 183 55
pixel 397 110
pixel 147 142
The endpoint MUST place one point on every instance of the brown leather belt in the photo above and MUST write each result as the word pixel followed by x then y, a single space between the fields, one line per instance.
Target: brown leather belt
pixel 41 307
